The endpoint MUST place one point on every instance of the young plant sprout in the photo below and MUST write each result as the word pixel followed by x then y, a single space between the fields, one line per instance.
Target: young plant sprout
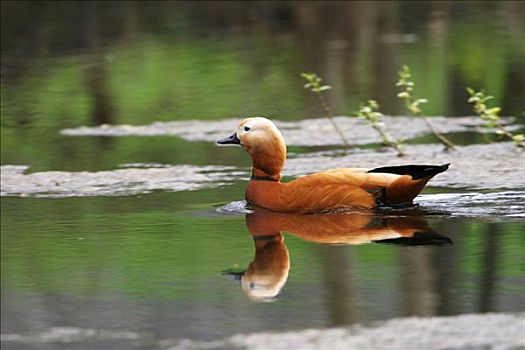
pixel 370 113
pixel 491 116
pixel 413 104
pixel 313 83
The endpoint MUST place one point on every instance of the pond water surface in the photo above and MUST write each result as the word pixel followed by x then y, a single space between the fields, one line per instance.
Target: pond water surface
pixel 133 241
pixel 136 270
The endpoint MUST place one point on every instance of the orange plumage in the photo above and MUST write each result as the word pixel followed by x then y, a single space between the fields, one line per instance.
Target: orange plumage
pixel 357 227
pixel 267 273
pixel 324 191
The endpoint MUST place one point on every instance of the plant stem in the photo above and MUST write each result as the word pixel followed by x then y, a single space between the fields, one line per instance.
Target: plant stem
pixel 387 140
pixel 412 104
pixel 509 135
pixel 328 113
pixel 371 114
pixel 448 144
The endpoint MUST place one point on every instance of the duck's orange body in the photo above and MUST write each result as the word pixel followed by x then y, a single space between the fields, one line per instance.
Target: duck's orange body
pixel 324 191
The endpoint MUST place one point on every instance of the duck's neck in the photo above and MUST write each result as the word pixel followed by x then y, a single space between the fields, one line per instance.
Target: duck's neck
pixel 268 156
pixel 259 175
pixel 268 165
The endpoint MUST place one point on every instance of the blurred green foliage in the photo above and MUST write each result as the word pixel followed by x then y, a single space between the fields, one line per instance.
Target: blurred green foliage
pixel 490 116
pixel 153 81
pixel 177 60
pixel 369 111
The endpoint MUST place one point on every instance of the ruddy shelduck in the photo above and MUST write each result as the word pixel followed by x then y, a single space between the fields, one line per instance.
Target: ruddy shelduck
pixel 334 189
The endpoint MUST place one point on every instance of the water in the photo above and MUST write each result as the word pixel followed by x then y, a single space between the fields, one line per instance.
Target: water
pixel 133 241
pixel 154 265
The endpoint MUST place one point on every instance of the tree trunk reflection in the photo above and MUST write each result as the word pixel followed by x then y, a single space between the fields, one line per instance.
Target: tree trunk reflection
pixel 417 282
pixel 489 268
pixel 341 293
pixel 96 73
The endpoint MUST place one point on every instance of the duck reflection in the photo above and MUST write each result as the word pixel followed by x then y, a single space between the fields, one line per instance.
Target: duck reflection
pixel 267 273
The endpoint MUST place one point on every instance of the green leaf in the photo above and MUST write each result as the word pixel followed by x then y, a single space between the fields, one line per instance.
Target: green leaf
pixel 493 110
pixel 518 138
pixel 307 76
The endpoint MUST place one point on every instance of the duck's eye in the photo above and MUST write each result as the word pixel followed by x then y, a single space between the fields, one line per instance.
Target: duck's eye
pixel 246 128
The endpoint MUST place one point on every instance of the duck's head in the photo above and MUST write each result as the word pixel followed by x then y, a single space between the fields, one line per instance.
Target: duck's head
pixel 265 144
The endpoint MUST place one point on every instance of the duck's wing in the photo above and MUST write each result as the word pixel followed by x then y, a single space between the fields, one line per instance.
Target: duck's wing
pixel 353 170
pixel 356 187
pixel 337 188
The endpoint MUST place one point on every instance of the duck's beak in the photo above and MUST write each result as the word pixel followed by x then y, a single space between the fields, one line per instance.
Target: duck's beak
pixel 230 140
pixel 235 275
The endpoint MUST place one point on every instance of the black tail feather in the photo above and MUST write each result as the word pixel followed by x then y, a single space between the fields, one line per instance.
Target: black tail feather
pixel 418 239
pixel 416 171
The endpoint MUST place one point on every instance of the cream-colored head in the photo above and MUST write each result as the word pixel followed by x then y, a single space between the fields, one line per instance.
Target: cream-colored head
pixel 265 144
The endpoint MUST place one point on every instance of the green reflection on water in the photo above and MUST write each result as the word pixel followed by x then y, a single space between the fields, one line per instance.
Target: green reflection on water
pixel 141 246
pixel 161 245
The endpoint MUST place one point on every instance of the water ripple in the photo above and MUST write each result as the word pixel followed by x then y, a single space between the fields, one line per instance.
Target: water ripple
pixel 475 204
